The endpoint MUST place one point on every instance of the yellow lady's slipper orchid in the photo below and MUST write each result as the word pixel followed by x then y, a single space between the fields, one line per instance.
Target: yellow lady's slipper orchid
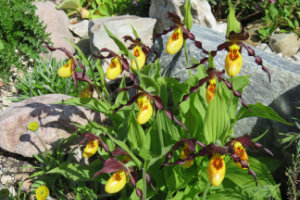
pixel 185 152
pixel 90 149
pixel 66 70
pixel 233 61
pixel 241 153
pixel 146 109
pixel 175 41
pixel 216 169
pixel 116 182
pixel 114 69
pixel 140 58
pixel 210 90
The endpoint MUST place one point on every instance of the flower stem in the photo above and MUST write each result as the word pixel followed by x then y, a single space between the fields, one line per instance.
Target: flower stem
pixel 145 181
pixel 206 191
pixel 187 58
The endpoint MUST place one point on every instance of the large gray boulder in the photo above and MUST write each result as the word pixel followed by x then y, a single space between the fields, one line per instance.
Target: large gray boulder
pixel 282 94
pixel 201 12
pixel 119 26
pixel 56 121
pixel 57 23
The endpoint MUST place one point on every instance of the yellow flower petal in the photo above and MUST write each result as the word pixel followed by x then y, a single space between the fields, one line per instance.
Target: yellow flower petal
pixel 233 61
pixel 41 193
pixel 114 69
pixel 116 182
pixel 185 152
pixel 241 153
pixel 216 169
pixel 210 90
pixel 175 42
pixel 140 58
pixel 145 113
pixel 90 149
pixel 66 70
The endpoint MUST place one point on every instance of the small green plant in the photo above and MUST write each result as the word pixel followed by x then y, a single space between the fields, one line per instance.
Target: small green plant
pixel 43 79
pixel 282 14
pixel 91 9
pixel 21 34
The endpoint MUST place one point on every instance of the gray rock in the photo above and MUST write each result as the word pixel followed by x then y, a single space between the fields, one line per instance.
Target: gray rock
pixel 80 29
pixel 201 12
pixel 119 26
pixel 282 93
pixel 56 121
pixel 57 25
pixel 286 43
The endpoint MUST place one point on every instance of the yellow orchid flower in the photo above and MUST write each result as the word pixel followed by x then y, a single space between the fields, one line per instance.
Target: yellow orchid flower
pixel 146 109
pixel 66 70
pixel 90 149
pixel 233 61
pixel 210 90
pixel 185 152
pixel 114 69
pixel 175 42
pixel 140 58
pixel 216 169
pixel 116 182
pixel 241 153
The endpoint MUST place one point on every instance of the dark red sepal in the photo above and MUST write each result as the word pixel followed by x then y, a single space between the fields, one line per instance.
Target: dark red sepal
pixel 111 165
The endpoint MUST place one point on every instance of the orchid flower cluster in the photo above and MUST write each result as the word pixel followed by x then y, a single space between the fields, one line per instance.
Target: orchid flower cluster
pixel 137 117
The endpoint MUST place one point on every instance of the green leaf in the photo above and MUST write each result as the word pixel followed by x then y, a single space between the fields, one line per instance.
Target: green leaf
pixel 188 18
pixel 120 143
pixel 260 136
pixel 169 130
pixel 77 172
pixel 136 135
pixel 232 23
pixel 134 32
pixel 120 44
pixel 216 123
pixel 122 97
pixel 91 103
pixel 1 45
pixel 260 110
pixel 81 54
pixel 69 4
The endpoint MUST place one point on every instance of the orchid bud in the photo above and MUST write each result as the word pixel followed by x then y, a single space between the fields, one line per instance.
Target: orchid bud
pixel 175 42
pixel 84 13
pixel 241 153
pixel 185 152
pixel 90 149
pixel 233 61
pixel 66 70
pixel 114 69
pixel 210 90
pixel 146 109
pixel 86 93
pixel 216 169
pixel 116 182
pixel 140 58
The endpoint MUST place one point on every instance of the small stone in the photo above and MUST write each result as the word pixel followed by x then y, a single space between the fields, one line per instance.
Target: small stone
pixel 6 179
pixel 286 43
pixel 80 29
